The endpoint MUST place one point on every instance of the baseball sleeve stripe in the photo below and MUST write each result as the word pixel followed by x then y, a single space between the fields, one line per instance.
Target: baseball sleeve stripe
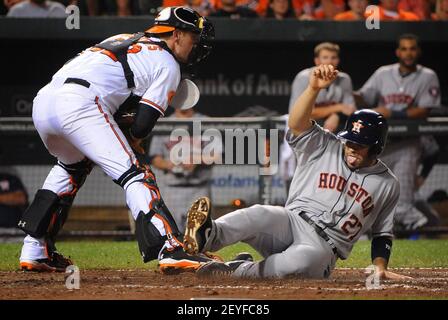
pixel 154 105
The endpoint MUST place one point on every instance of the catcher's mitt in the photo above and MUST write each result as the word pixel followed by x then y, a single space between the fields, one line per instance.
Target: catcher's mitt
pixel 124 120
pixel 126 112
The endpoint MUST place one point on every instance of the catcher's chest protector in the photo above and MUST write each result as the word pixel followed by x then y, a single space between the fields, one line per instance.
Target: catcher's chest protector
pixel 120 49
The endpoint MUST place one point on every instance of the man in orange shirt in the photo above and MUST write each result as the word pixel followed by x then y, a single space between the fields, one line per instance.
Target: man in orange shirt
pixel 422 8
pixel 389 11
pixel 328 9
pixel 356 12
pixel 307 9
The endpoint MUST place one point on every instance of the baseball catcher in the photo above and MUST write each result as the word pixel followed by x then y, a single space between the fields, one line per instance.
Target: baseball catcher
pixel 76 116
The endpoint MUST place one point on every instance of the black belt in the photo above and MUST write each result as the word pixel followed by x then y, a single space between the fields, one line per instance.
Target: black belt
pixel 81 82
pixel 320 232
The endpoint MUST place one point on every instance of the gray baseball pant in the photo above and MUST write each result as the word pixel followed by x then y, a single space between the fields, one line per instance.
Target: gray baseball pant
pixel 288 244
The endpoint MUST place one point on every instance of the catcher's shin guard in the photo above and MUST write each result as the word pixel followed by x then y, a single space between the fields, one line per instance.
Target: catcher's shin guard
pixel 48 212
pixel 149 238
pixel 37 217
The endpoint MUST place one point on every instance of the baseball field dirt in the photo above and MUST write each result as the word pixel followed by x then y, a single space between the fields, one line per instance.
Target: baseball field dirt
pixel 114 270
pixel 150 284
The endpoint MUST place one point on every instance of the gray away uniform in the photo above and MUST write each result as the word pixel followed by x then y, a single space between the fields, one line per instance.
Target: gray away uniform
pixel 344 203
pixel 386 87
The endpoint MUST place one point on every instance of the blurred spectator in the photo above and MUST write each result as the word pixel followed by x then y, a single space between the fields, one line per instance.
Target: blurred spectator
pixel 251 4
pixel 328 9
pixel 230 9
pixel 389 11
pixel 204 7
pixel 108 7
pixel 123 8
pixel 422 8
pixel 37 9
pixel 149 7
pixel 13 199
pixel 405 90
pixel 357 11
pixel 152 7
pixel 441 10
pixel 333 103
pixel 184 182
pixel 430 153
pixel 280 9
pixel 9 3
pixel 304 9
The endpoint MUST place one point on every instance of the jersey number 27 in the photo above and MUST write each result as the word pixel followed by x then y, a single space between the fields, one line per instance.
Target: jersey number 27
pixel 352 226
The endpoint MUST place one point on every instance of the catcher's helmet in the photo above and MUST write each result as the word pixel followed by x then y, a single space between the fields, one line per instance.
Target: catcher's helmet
pixel 185 18
pixel 366 127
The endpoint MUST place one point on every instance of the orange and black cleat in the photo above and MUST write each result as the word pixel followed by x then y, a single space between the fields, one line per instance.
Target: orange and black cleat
pixel 57 263
pixel 174 261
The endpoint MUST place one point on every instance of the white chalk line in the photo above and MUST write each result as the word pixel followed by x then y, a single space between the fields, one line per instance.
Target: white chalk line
pixel 358 287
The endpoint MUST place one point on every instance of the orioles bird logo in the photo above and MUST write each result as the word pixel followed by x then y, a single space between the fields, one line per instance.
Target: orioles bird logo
pixel 357 126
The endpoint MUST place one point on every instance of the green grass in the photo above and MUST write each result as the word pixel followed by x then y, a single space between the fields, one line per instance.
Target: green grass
pixel 124 255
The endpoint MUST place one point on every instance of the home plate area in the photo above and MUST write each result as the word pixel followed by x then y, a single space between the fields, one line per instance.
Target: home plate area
pixel 344 283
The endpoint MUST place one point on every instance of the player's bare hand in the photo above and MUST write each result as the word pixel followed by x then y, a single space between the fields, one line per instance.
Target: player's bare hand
pixel 347 109
pixel 388 275
pixel 322 76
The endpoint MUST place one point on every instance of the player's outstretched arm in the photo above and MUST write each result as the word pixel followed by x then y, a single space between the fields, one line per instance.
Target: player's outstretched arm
pixel 300 114
pixel 381 248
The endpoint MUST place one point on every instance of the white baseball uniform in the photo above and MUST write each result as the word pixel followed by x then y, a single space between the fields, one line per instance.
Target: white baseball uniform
pixel 76 122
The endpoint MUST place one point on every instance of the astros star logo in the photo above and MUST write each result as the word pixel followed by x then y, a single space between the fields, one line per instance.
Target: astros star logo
pixel 357 126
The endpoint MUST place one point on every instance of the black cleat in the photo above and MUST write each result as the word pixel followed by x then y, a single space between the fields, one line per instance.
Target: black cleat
pixel 173 261
pixel 218 269
pixel 199 226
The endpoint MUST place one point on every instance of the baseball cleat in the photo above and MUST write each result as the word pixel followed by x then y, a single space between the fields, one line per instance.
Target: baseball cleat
pixel 245 256
pixel 57 263
pixel 199 226
pixel 173 261
pixel 218 269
